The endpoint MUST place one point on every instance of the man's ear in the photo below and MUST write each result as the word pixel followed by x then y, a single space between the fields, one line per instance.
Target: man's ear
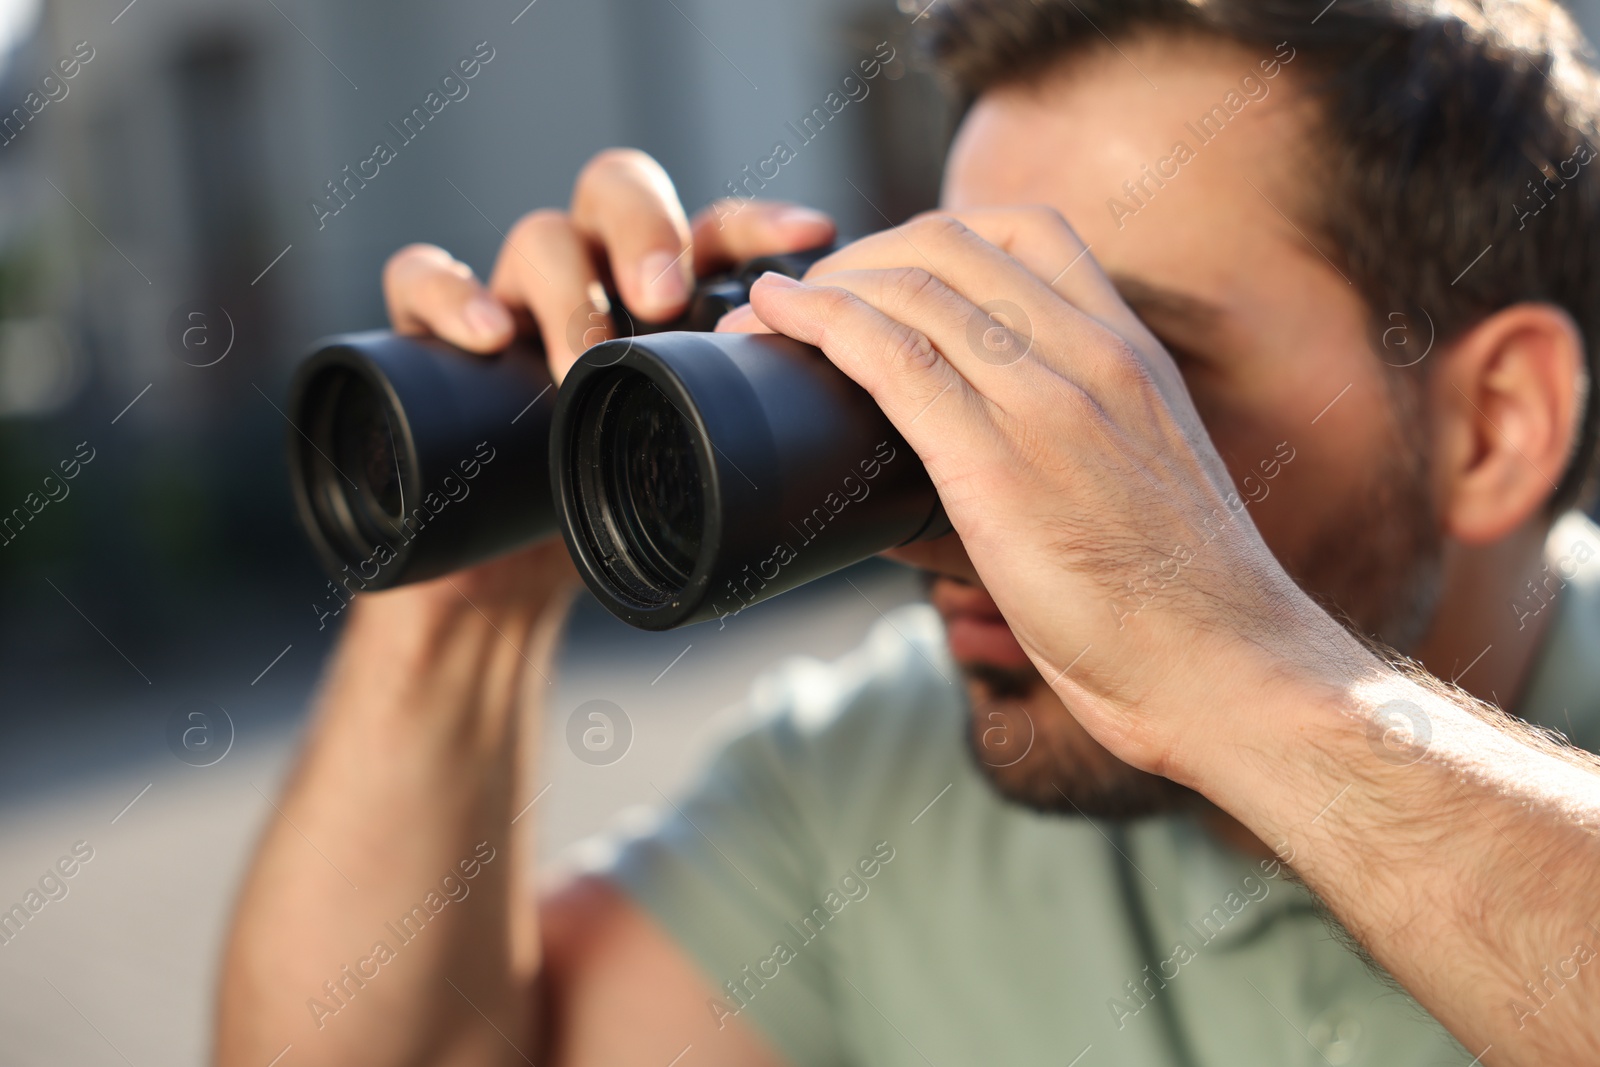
pixel 1506 400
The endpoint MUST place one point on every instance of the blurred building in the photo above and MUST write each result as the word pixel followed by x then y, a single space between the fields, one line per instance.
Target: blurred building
pixel 161 211
pixel 162 267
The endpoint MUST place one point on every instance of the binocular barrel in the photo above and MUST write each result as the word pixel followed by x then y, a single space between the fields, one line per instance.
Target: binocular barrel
pixel 691 473
pixel 697 474
pixel 410 458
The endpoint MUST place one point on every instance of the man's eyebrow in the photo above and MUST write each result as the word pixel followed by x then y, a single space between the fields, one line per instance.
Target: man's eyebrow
pixel 1159 306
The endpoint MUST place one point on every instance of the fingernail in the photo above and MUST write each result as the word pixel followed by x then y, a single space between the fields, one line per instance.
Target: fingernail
pixel 800 216
pixel 485 317
pixel 661 280
pixel 774 280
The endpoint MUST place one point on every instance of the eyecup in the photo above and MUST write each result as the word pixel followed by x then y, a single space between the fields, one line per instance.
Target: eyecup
pixel 801 474
pixel 471 435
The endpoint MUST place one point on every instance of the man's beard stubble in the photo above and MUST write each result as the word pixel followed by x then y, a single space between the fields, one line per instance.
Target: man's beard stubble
pixel 1376 567
pixel 1042 759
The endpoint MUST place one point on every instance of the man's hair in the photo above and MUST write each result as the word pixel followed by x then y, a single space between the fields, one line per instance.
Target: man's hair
pixel 1442 126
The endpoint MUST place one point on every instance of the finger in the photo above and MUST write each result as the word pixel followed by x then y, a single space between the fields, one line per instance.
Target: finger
pixel 990 349
pixel 944 249
pixel 958 248
pixel 925 303
pixel 979 342
pixel 430 292
pixel 731 230
pixel 742 319
pixel 1016 307
pixel 1041 239
pixel 928 401
pixel 546 270
pixel 625 203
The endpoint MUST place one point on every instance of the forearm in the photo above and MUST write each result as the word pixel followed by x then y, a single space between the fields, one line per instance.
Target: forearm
pixel 410 775
pixel 1458 847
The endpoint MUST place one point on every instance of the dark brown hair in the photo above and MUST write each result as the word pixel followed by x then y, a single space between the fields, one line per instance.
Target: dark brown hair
pixel 1443 125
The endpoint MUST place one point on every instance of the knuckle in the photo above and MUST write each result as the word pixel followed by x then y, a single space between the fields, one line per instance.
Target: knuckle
pixel 1047 222
pixel 910 348
pixel 617 172
pixel 835 300
pixel 609 161
pixel 912 285
pixel 421 267
pixel 406 260
pixel 1063 402
pixel 912 279
pixel 535 226
pixel 1123 368
pixel 1047 218
pixel 1069 395
pixel 938 227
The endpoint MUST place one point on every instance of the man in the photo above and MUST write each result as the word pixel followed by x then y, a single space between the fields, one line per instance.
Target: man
pixel 1315 342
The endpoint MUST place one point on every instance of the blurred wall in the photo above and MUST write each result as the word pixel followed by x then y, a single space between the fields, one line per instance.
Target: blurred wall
pixel 162 210
pixel 161 270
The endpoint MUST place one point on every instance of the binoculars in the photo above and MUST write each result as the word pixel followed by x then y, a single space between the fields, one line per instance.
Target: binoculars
pixel 691 473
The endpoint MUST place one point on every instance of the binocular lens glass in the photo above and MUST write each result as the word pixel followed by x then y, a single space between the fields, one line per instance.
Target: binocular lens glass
pixel 653 476
pixel 364 449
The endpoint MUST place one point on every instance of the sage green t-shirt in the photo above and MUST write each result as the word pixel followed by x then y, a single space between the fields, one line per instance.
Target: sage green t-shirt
pixel 849 883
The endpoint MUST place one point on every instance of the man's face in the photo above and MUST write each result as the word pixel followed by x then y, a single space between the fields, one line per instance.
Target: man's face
pixel 1210 249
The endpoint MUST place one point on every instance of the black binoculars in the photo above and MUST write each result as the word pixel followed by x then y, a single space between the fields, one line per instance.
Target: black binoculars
pixel 691 473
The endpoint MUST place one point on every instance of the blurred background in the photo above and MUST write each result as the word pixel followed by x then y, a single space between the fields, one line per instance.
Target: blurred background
pixel 161 270
pixel 162 266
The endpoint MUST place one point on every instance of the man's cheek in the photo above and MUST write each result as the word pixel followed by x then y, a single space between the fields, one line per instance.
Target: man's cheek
pixel 1301 504
pixel 943 557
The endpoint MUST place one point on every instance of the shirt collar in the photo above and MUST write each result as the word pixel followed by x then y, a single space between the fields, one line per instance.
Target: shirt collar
pixel 1563 691
pixel 1204 894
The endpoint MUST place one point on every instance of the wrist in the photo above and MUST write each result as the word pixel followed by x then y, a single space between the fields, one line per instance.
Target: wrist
pixel 1295 718
pixel 456 652
pixel 415 628
pixel 1347 766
